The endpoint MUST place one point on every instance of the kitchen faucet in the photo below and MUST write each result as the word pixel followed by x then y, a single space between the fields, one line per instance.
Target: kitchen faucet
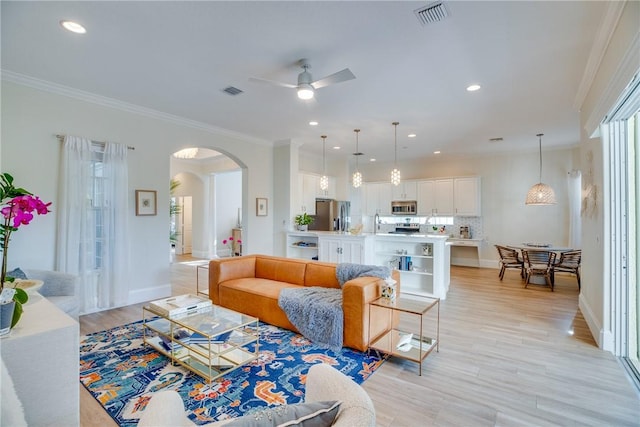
pixel 376 223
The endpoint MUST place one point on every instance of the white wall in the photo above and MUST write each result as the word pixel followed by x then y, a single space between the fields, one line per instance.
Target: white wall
pixel 30 152
pixel 228 198
pixel 616 68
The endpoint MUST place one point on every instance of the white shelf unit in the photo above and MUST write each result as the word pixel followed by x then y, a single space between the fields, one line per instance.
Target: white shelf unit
pixel 429 273
pixel 302 245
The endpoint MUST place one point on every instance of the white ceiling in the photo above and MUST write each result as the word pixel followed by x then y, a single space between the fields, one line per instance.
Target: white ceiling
pixel 176 57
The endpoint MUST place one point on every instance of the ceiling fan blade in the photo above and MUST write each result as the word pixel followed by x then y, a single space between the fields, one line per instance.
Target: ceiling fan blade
pixel 272 82
pixel 340 76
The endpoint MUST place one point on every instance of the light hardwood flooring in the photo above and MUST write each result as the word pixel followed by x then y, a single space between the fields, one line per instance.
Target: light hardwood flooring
pixel 509 356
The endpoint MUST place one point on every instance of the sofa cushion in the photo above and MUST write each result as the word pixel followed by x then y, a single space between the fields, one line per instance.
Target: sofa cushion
pixel 281 270
pixel 314 414
pixel 260 287
pixel 321 274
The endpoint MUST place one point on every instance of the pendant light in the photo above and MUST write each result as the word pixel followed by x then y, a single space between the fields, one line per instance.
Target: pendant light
pixel 324 180
pixel 540 194
pixel 357 176
pixel 395 173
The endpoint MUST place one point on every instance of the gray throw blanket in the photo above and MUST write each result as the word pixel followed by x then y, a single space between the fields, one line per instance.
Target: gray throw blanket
pixel 346 271
pixel 316 312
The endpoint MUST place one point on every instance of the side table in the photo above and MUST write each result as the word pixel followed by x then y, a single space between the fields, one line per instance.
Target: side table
pixel 403 343
pixel 205 269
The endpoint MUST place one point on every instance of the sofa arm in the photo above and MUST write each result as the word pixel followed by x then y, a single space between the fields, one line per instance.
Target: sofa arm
pixel 55 283
pixel 356 296
pixel 223 269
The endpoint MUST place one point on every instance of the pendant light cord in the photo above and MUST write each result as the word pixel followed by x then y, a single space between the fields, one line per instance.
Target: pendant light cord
pixel 395 144
pixel 324 161
pixel 540 155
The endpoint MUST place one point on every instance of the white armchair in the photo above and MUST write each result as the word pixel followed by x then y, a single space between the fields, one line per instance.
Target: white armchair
pixel 324 383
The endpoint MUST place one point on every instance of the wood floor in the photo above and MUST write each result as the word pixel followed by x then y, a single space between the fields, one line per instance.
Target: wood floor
pixel 508 357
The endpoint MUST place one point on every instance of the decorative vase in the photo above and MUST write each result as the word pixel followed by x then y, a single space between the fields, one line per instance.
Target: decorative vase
pixel 303 227
pixel 6 316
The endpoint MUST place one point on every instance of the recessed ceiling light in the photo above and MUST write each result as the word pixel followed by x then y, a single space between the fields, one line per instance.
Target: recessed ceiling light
pixel 412 135
pixel 313 123
pixel 473 88
pixel 372 160
pixel 74 27
pixel 436 152
pixel 336 147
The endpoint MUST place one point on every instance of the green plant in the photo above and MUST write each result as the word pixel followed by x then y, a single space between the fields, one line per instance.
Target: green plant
pixel 303 219
pixel 17 212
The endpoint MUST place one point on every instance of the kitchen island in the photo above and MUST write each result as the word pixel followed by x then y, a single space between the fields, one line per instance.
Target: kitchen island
pixel 422 259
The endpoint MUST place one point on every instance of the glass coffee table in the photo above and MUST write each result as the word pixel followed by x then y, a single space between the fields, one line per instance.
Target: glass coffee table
pixel 402 342
pixel 210 342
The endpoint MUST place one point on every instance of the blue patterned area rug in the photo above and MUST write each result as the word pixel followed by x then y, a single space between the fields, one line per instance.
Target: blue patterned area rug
pixel 122 374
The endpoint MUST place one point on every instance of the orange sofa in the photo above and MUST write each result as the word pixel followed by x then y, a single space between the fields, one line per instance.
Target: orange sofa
pixel 251 285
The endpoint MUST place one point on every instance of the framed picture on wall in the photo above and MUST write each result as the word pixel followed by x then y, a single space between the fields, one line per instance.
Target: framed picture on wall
pixel 146 202
pixel 261 206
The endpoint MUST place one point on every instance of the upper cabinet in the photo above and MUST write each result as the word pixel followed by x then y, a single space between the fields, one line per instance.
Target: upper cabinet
pixel 466 195
pixel 309 187
pixel 377 196
pixel 451 196
pixel 407 190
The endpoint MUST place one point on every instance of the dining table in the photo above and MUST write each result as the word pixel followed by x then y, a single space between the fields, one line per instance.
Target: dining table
pixel 549 247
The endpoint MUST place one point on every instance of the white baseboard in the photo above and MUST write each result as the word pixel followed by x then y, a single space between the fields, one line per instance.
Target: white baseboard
pixel 604 339
pixel 149 294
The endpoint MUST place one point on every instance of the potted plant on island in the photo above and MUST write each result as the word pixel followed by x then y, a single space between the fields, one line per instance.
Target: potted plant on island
pixel 302 221
pixel 18 208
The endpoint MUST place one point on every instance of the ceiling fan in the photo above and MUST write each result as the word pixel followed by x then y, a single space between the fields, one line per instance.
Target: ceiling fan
pixel 306 85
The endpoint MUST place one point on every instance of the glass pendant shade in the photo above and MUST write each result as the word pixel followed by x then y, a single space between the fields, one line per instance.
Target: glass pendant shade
pixel 540 194
pixel 357 179
pixel 395 177
pixel 324 182
pixel 395 173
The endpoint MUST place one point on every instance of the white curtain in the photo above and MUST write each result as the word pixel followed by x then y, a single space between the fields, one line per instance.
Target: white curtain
pixel 574 182
pixel 93 222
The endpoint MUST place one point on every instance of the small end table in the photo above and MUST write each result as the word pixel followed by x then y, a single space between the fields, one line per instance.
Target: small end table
pixel 416 346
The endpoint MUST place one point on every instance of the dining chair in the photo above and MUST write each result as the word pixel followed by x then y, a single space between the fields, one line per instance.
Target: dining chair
pixel 509 258
pixel 538 263
pixel 569 262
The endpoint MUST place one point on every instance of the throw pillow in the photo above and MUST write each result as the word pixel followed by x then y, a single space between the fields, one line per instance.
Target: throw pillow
pixel 313 414
pixel 16 273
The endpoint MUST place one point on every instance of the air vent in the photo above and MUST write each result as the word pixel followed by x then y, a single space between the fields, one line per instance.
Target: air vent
pixel 232 90
pixel 434 12
pixel 496 139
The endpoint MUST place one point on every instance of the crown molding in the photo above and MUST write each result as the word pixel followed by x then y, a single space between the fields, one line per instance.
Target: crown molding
pixel 104 101
pixel 598 49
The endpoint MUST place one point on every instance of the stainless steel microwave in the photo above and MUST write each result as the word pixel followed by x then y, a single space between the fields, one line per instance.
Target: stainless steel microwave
pixel 404 207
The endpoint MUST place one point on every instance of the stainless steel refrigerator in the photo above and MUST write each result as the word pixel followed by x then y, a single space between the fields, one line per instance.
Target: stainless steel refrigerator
pixel 332 215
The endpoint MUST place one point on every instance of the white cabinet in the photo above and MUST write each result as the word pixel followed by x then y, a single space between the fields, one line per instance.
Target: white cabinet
pixel 450 196
pixel 406 190
pixel 303 245
pixel 345 248
pixel 466 195
pixel 309 190
pixel 435 197
pixel 377 198
pixel 423 263
pixel 426 197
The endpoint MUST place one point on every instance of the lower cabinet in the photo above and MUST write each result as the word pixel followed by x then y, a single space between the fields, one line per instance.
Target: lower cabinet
pixel 345 248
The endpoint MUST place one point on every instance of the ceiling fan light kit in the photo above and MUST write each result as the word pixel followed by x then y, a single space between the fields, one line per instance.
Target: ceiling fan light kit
pixel 306 86
pixel 395 173
pixel 540 194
